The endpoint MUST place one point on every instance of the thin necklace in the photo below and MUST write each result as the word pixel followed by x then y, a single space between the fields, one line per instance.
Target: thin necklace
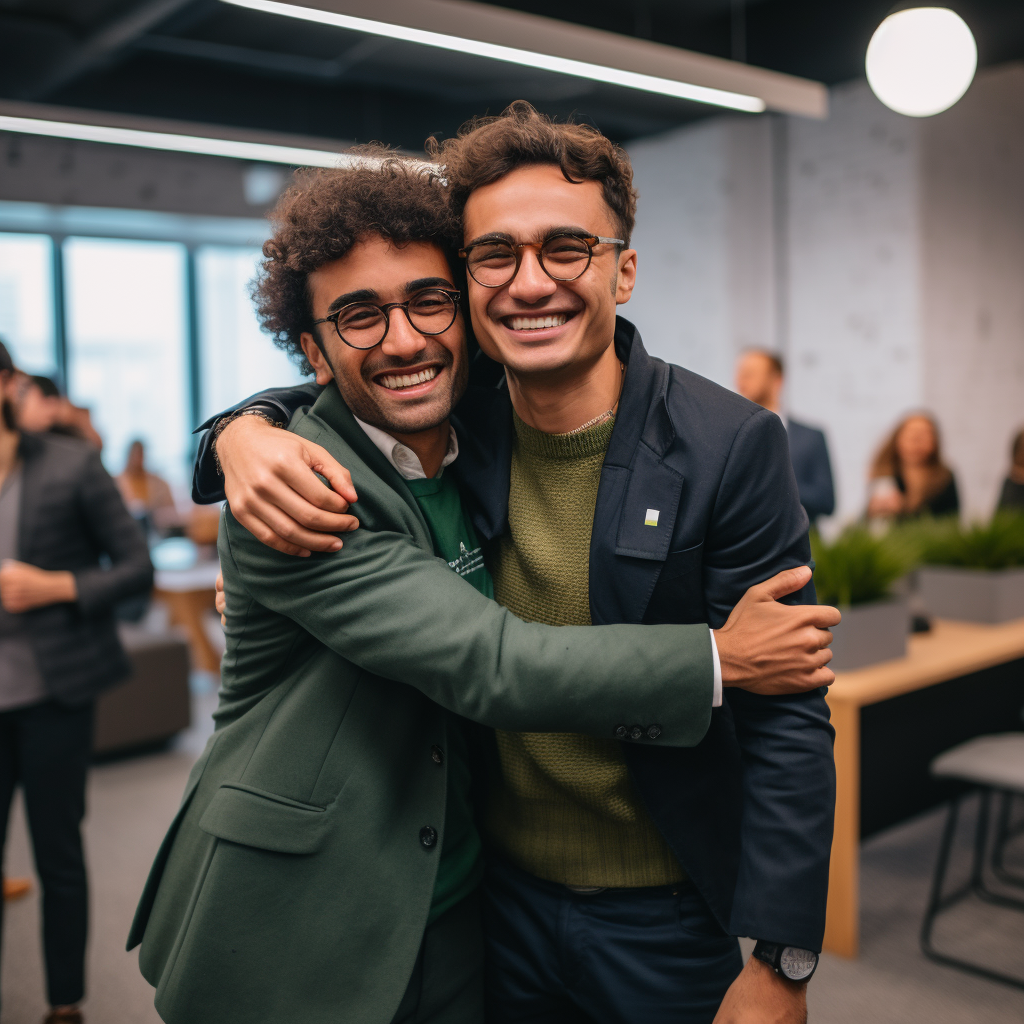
pixel 605 415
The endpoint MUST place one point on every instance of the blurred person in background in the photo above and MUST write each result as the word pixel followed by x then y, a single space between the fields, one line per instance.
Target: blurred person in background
pixel 909 477
pixel 60 514
pixel 40 406
pixel 760 377
pixel 1011 498
pixel 147 495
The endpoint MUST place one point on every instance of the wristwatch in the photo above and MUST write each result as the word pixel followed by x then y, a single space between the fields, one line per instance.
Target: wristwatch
pixel 787 961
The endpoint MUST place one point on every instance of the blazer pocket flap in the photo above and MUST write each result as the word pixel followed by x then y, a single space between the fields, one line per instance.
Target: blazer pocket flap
pixel 251 817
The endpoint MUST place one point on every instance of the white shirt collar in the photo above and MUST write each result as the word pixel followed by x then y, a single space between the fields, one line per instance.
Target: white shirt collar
pixel 402 457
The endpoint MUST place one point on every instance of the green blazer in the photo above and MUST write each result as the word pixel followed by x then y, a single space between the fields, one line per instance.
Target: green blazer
pixel 292 886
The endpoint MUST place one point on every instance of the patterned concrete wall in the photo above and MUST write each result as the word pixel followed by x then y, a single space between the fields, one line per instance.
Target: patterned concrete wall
pixel 883 255
pixel 972 162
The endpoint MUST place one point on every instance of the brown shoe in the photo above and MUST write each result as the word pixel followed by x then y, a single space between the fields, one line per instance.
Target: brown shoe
pixel 64 1015
pixel 15 888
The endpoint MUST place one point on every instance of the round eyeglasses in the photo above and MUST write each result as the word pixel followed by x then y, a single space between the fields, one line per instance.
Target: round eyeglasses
pixel 365 325
pixel 495 262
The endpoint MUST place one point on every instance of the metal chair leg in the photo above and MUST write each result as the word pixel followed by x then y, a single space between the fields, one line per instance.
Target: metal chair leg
pixel 1005 831
pixel 937 902
pixel 981 837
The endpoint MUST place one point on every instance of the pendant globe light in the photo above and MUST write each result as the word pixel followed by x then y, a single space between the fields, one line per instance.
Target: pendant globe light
pixel 921 60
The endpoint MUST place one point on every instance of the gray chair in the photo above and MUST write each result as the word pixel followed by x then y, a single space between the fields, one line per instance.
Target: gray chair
pixel 992 766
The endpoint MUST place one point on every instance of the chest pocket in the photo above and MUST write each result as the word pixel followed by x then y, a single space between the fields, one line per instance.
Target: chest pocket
pixel 679 593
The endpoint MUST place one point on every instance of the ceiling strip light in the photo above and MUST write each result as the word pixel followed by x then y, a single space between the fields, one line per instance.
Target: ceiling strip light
pixel 527 58
pixel 293 156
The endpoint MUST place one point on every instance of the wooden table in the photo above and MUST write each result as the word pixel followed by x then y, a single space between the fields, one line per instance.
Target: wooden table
pixel 985 692
pixel 188 595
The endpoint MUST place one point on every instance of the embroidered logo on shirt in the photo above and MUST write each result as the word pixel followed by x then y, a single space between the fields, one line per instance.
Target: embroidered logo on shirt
pixel 468 561
pixel 652 517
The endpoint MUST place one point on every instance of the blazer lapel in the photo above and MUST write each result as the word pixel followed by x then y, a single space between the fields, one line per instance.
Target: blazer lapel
pixel 639 494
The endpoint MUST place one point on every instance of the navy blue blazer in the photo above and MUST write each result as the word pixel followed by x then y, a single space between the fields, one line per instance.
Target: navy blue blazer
pixel 812 468
pixel 748 812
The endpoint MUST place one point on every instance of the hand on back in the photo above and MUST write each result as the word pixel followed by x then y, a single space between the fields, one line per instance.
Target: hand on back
pixel 271 485
pixel 772 648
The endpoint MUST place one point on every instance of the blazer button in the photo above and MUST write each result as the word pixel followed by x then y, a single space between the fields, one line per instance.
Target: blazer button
pixel 636 733
pixel 437 755
pixel 428 836
pixel 653 732
pixel 621 732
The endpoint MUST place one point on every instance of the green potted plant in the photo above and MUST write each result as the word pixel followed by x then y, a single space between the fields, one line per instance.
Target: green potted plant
pixel 976 573
pixel 857 572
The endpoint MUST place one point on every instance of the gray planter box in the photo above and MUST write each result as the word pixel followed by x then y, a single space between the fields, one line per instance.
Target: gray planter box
pixel 870 633
pixel 972 595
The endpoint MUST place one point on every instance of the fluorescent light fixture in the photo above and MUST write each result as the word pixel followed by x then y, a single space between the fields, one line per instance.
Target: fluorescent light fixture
pixel 513 55
pixel 256 151
pixel 920 61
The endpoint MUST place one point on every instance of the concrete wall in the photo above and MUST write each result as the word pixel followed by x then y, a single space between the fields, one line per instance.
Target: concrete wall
pixel 881 255
pixel 972 267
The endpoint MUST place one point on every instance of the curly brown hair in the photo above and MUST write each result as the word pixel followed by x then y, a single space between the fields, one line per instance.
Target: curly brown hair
pixel 488 148
pixel 325 212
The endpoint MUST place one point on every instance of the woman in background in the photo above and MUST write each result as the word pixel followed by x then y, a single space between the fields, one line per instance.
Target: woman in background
pixel 1011 499
pixel 909 477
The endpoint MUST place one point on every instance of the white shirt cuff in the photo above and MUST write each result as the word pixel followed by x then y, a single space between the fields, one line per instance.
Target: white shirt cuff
pixel 716 700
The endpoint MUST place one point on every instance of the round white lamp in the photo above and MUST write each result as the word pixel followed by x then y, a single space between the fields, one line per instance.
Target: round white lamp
pixel 921 60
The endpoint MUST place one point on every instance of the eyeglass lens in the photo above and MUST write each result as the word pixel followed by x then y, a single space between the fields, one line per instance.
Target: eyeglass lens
pixel 563 257
pixel 363 325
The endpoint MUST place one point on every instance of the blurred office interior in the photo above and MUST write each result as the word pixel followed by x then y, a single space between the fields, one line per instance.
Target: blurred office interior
pixel 880 255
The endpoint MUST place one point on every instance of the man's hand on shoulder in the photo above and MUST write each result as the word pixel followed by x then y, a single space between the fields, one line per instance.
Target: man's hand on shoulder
pixel 771 648
pixel 760 996
pixel 271 486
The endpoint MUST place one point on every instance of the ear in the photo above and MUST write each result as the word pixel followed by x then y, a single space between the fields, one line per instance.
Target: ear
pixel 626 277
pixel 313 352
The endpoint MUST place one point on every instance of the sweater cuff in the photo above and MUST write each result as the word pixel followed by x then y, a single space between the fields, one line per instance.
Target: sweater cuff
pixel 716 699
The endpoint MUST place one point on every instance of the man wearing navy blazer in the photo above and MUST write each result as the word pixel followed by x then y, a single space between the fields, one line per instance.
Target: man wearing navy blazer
pixel 759 377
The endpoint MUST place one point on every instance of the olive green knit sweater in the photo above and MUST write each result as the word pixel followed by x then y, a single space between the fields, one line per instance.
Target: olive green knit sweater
pixel 563 806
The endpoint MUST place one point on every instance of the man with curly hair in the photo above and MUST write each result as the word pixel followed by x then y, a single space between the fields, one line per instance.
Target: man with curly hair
pixel 324 863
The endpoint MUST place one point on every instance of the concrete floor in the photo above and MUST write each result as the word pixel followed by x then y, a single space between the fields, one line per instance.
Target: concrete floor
pixel 131 802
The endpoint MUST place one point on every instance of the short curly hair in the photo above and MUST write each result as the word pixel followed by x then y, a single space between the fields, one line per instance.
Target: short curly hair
pixel 325 212
pixel 488 148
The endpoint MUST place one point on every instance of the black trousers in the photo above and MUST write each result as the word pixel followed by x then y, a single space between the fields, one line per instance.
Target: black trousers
pixel 45 748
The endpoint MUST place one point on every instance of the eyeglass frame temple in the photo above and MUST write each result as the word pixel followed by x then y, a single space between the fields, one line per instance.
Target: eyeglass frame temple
pixel 453 293
pixel 591 241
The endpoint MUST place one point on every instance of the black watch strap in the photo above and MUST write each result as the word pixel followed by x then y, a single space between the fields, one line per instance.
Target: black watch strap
pixel 787 961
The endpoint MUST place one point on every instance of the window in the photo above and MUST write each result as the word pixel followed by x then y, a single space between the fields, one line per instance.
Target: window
pixel 236 357
pixel 127 338
pixel 26 301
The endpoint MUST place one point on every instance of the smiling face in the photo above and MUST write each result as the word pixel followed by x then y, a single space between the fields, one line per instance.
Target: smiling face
pixel 410 382
pixel 535 325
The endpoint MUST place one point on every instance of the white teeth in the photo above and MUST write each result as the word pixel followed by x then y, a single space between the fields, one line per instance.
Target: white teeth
pixel 409 379
pixel 535 323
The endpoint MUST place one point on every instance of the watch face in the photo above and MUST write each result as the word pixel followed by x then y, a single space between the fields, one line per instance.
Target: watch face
pixel 797 964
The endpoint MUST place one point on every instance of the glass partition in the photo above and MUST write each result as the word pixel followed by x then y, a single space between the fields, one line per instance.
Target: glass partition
pixel 236 357
pixel 127 340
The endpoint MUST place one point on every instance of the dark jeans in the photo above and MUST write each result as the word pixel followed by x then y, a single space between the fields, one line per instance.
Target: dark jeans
pixel 619 956
pixel 447 983
pixel 45 748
